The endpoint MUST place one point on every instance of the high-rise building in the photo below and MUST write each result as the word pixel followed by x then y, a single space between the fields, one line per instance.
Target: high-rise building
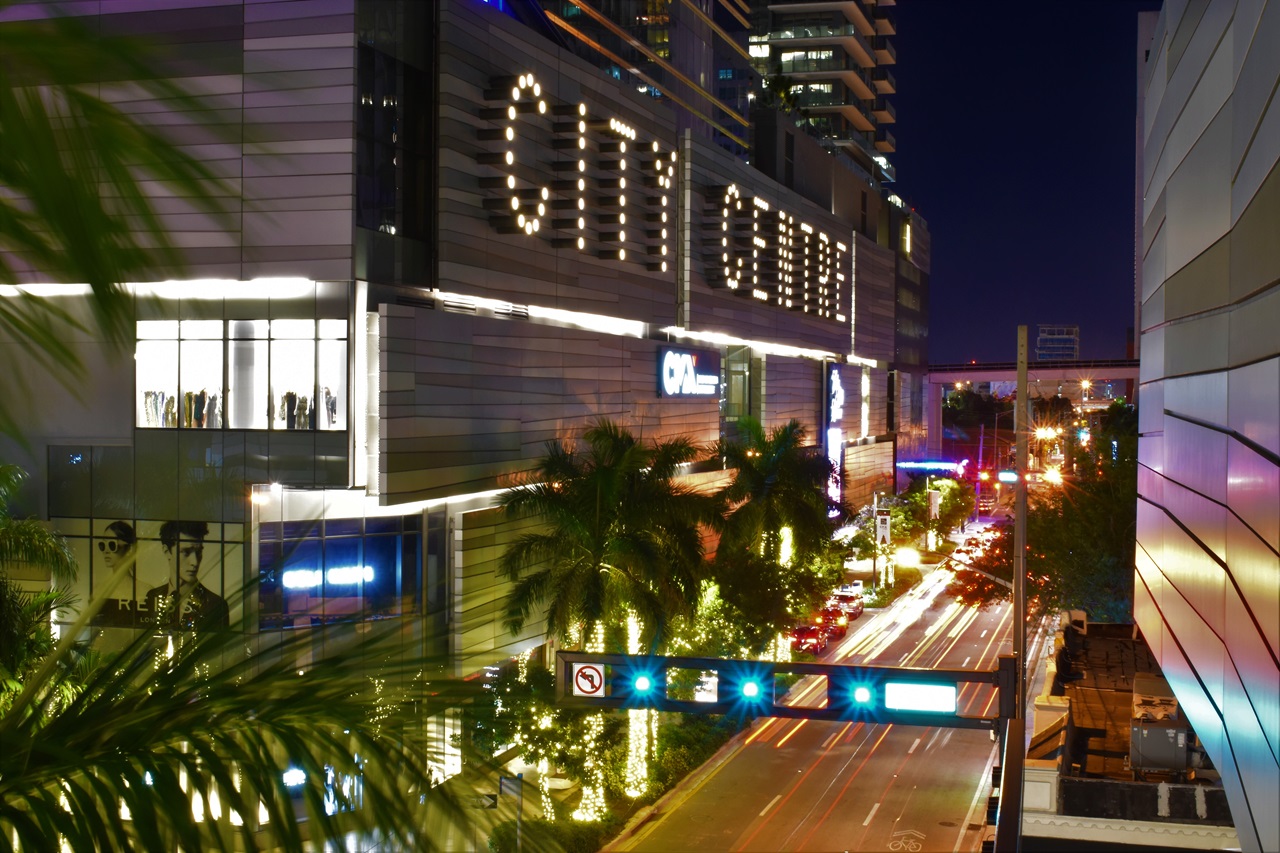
pixel 1057 343
pixel 691 56
pixel 831 64
pixel 1207 588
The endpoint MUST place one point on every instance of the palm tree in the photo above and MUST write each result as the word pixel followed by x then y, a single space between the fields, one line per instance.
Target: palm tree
pixel 26 541
pixel 778 483
pixel 72 198
pixel 620 534
pixel 620 545
pixel 25 634
pixel 775 555
pixel 183 743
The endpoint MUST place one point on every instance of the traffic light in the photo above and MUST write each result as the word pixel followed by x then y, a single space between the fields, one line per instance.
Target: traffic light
pixel 638 686
pixel 745 686
pixel 854 694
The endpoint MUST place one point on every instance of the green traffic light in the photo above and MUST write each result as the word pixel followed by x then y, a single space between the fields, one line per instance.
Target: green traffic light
pixel 643 683
pixel 861 695
pixel 750 689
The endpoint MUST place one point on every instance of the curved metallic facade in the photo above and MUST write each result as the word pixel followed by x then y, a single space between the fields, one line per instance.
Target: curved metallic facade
pixel 1207 591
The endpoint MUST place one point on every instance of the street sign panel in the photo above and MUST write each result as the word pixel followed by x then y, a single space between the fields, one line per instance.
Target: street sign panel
pixel 588 679
pixel 482 801
pixel 882 527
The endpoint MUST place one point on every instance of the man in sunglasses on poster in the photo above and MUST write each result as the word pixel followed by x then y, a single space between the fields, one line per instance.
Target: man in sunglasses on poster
pixel 184 602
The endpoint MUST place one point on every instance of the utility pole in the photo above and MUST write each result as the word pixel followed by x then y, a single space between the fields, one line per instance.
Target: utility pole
pixel 1020 527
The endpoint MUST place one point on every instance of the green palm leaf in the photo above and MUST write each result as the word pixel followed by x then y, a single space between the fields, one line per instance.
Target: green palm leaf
pixel 617 534
pixel 219 722
pixel 75 203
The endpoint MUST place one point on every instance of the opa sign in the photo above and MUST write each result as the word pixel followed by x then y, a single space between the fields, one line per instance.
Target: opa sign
pixel 688 373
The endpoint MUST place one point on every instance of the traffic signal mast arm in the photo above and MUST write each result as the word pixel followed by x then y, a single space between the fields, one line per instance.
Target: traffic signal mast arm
pixel 899 695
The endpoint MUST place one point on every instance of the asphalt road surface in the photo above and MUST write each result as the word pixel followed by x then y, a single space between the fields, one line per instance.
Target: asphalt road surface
pixel 806 785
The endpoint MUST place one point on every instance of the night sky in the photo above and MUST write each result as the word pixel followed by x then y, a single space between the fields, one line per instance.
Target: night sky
pixel 1015 140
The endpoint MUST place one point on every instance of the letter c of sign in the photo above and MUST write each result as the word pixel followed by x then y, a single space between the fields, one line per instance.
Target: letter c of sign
pixel 673 369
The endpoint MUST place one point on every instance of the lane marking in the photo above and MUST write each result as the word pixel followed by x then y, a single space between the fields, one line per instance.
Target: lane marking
pixel 771 802
pixel 870 815
pixel 790 734
pixel 965 664
pixel 983 634
pixel 913 746
pixel 826 743
pixel 984 783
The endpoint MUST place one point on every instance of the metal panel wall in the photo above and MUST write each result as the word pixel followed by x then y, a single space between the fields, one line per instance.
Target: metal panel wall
pixel 1208 557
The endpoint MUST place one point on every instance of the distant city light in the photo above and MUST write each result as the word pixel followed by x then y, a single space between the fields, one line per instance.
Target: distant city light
pixel 948 467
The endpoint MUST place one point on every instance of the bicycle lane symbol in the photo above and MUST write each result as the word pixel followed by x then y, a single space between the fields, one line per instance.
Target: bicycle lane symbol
pixel 588 679
pixel 908 840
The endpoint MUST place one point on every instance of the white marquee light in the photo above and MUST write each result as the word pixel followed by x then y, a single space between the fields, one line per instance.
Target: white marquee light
pixel 312 578
pixel 607 174
pixel 760 346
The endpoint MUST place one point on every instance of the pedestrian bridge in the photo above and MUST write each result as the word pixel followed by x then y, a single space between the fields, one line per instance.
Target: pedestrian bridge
pixel 1069 373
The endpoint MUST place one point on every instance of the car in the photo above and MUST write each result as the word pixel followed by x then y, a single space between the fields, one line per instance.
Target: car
pixel 808 638
pixel 986 503
pixel 834 619
pixel 850 603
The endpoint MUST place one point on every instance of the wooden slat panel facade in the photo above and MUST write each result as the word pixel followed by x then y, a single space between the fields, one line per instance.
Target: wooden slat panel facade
pixel 478 636
pixel 468 401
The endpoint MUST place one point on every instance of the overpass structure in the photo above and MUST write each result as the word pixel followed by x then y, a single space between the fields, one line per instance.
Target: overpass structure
pixel 1074 380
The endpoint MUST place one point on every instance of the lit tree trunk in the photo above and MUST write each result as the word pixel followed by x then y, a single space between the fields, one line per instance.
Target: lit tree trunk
pixel 638 725
pixel 592 807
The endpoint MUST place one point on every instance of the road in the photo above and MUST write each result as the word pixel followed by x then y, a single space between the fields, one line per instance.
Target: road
pixel 805 785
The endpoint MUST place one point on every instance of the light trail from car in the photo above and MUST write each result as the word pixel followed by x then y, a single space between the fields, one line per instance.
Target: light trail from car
pixel 746 843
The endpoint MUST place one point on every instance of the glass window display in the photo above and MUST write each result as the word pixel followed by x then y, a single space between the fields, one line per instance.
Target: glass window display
pixel 286 374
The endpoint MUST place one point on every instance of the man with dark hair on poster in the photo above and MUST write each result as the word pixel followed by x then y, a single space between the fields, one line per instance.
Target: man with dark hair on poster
pixel 184 602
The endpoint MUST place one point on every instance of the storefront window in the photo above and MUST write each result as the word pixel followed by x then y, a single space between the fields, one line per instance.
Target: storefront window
pixel 287 374
pixel 249 388
pixel 318 579
pixel 157 373
pixel 200 374
pixel 293 373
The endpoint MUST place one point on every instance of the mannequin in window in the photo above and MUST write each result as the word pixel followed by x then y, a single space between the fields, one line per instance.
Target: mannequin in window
pixel 197 409
pixel 289 410
pixel 304 413
pixel 185 602
pixel 330 406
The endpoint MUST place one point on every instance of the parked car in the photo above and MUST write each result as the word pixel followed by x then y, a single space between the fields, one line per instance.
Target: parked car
pixel 835 620
pixel 809 638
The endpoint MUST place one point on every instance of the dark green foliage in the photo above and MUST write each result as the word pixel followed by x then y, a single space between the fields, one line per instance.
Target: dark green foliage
pixel 779 483
pixel 686 742
pixel 1080 536
pixel 619 534
pixel 230 717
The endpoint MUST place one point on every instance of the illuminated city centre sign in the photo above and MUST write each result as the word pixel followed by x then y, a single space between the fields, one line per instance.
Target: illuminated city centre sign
pixel 609 191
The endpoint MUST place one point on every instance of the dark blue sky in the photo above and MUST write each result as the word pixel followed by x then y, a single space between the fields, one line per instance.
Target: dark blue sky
pixel 1015 139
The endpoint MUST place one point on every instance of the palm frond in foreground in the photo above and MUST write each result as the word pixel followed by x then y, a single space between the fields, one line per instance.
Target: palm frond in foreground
pixel 181 742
